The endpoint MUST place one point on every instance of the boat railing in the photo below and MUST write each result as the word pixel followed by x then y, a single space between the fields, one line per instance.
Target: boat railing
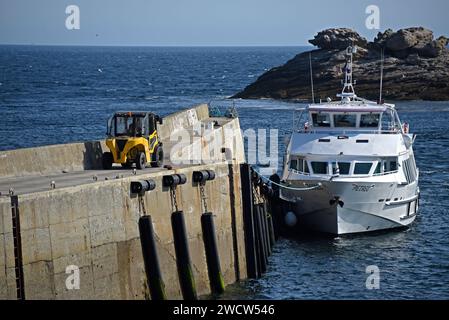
pixel 385 173
pixel 299 172
pixel 368 175
pixel 344 175
pixel 344 132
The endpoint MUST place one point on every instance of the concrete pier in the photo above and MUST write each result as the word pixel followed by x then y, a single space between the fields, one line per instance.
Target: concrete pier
pixel 93 224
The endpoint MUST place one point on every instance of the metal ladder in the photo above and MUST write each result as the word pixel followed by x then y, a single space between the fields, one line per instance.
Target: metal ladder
pixel 18 263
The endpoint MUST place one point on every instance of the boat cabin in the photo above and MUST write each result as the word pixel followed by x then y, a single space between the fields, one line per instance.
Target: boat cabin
pixel 360 118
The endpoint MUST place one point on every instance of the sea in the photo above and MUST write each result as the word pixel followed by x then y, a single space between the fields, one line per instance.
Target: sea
pixel 57 94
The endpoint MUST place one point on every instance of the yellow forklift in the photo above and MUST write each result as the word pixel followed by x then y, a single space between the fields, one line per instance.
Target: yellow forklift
pixel 132 139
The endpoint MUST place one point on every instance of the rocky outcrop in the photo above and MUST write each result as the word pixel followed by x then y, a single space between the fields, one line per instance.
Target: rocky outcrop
pixel 410 41
pixel 416 67
pixel 339 38
pixel 408 38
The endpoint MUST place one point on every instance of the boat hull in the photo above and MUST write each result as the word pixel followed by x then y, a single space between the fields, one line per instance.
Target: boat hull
pixel 345 207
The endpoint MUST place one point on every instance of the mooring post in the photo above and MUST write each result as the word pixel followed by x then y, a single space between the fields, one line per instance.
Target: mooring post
pixel 248 222
pixel 151 259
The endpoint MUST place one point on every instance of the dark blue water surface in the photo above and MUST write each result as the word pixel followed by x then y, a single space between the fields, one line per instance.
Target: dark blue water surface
pixel 52 95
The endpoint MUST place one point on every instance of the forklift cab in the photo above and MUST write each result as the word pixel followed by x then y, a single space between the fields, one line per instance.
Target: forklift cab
pixel 132 124
pixel 132 139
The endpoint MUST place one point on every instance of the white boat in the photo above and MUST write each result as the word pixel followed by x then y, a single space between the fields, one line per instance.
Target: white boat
pixel 349 165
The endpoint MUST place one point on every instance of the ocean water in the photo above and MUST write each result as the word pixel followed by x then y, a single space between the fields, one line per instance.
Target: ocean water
pixel 52 95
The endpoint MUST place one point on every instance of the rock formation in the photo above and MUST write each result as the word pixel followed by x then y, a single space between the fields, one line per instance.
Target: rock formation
pixel 338 39
pixel 416 67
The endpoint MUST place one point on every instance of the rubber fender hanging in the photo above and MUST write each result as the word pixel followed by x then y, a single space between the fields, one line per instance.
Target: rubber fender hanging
pixel 151 259
pixel 142 186
pixel 211 174
pixel 216 280
pixel 183 261
pixel 174 180
pixel 203 176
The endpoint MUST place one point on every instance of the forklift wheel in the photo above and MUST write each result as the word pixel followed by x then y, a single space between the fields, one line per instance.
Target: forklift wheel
pixel 107 160
pixel 141 160
pixel 158 157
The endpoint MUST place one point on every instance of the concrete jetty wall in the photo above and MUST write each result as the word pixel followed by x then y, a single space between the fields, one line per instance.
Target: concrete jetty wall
pixel 51 159
pixel 84 155
pixel 95 226
pixel 182 119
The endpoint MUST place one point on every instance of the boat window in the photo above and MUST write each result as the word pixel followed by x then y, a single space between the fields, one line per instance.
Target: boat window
pixel 345 120
pixel 341 168
pixel 306 167
pixel 409 168
pixel 378 168
pixel 301 165
pixel 386 166
pixel 369 120
pixel 344 167
pixel 387 122
pixel 321 120
pixel 362 167
pixel 335 169
pixel 319 167
pixel 294 164
pixel 393 166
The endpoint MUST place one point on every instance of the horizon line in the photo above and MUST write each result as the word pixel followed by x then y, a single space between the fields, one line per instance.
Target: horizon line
pixel 158 45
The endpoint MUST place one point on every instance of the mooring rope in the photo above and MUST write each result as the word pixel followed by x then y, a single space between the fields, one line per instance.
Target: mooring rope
pixel 319 185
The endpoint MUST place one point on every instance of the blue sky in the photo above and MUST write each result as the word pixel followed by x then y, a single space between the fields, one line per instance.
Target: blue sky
pixel 206 22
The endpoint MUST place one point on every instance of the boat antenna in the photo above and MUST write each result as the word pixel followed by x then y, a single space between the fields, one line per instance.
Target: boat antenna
pixel 348 91
pixel 381 74
pixel 311 76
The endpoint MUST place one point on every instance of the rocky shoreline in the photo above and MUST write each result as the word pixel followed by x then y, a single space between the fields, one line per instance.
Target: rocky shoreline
pixel 416 67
